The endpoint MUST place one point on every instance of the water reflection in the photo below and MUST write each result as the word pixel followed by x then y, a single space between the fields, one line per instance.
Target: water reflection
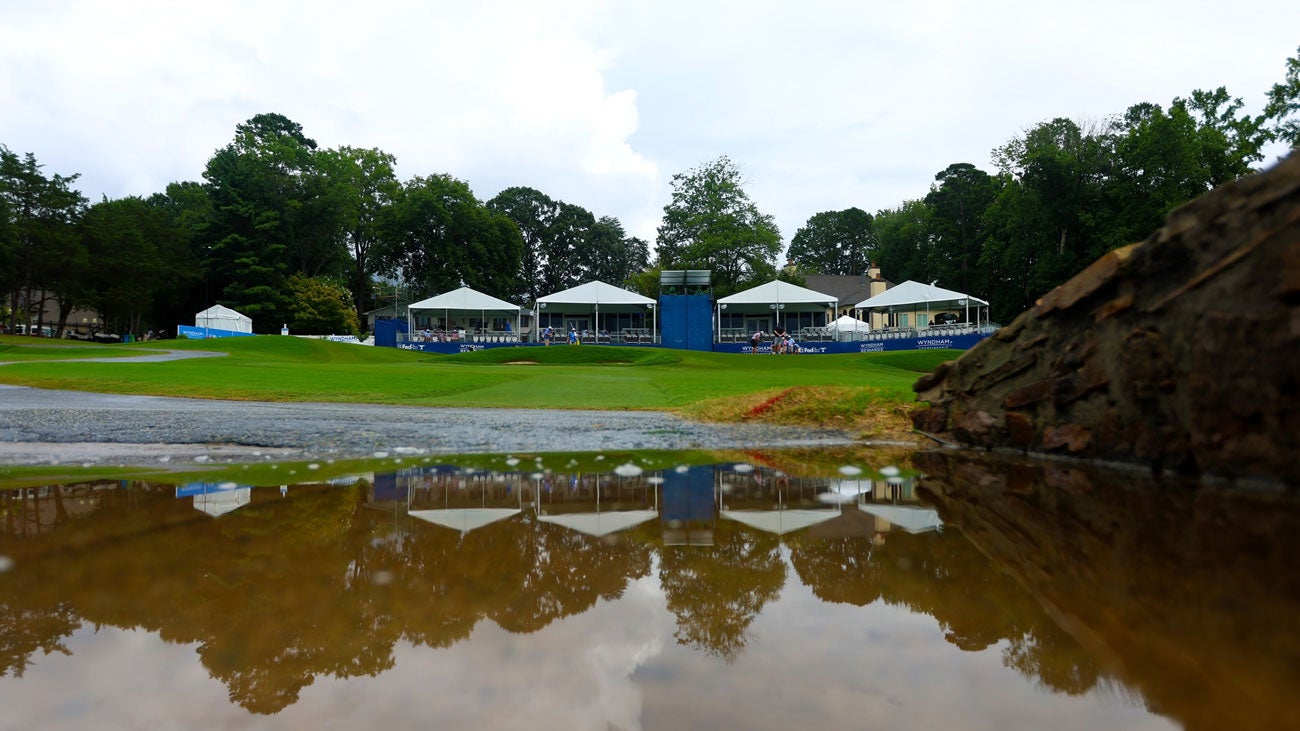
pixel 276 588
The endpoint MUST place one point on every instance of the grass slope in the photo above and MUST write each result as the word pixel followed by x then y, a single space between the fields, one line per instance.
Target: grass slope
pixel 807 389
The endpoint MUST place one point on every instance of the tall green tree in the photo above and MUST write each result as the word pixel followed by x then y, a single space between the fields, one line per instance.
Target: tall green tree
pixel 138 258
pixel 439 235
pixel 905 241
pixel 961 194
pixel 835 242
pixel 711 223
pixel 271 216
pixel 361 187
pixel 1283 108
pixel 38 238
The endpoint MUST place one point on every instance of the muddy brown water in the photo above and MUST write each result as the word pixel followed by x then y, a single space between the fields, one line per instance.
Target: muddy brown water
pixel 755 594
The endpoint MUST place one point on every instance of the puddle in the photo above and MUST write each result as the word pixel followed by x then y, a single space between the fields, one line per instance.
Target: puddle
pixel 814 588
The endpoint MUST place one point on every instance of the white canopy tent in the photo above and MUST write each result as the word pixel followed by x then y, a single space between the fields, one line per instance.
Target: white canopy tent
pixel 463 301
pixel 780 522
pixel 219 502
pixel 849 327
pixel 776 296
pixel 913 296
pixel 600 524
pixel 596 296
pixel 220 317
pixel 464 519
pixel 909 518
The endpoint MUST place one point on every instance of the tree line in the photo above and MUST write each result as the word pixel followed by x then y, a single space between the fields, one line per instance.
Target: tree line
pixel 1063 193
pixel 287 232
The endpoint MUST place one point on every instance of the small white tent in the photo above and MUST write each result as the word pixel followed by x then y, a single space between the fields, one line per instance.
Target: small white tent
pixel 849 323
pixel 220 317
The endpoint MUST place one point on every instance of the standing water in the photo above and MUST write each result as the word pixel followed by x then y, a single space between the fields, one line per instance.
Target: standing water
pixel 756 590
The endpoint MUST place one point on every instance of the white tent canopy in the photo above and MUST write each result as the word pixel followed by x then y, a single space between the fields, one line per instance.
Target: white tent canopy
pixel 909 518
pixel 463 301
pixel 595 297
pixel 220 317
pixel 219 502
pixel 774 297
pixel 464 519
pixel 913 296
pixel 600 524
pixel 596 293
pixel 778 292
pixel 780 522
pixel 849 323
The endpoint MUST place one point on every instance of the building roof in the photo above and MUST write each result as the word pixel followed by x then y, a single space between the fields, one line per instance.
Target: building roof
pixel 846 288
pixel 917 293
pixel 596 293
pixel 465 299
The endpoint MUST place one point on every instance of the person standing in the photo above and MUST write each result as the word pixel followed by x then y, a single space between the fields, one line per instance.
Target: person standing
pixel 573 337
pixel 754 340
pixel 548 335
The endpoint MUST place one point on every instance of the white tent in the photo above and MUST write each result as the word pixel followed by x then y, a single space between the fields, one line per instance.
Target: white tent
pixel 775 297
pixel 595 297
pixel 219 502
pixel 463 301
pixel 780 522
pixel 220 317
pixel 848 327
pixel 913 296
pixel 909 518
pixel 464 519
pixel 600 524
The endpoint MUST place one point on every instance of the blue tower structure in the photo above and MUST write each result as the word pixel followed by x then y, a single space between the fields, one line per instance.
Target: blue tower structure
pixel 686 309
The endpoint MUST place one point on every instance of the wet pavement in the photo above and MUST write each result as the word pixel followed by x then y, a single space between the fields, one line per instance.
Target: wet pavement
pixel 40 426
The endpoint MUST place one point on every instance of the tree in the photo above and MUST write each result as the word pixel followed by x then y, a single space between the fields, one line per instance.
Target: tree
pixel 958 202
pixel 38 237
pixel 362 187
pixel 439 236
pixel 319 306
pixel 1283 108
pixel 137 254
pixel 712 224
pixel 272 215
pixel 904 240
pixel 835 242
pixel 534 214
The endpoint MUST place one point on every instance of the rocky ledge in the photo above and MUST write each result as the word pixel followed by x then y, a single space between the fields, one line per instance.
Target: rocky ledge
pixel 1181 352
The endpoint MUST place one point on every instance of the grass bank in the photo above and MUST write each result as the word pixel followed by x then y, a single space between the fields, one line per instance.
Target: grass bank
pixel 869 392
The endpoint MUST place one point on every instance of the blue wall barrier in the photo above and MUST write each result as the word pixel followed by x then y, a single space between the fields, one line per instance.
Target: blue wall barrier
pixel 204 333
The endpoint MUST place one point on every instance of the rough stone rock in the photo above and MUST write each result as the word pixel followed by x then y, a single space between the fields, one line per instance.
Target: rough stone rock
pixel 1181 352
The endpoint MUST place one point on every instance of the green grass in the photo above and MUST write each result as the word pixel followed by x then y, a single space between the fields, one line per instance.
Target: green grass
pixel 588 377
pixel 20 349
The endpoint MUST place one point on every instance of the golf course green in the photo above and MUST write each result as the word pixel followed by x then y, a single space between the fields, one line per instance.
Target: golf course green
pixel 871 392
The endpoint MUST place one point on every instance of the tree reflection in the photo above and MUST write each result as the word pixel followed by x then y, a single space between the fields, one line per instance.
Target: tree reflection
pixel 717 592
pixel 942 575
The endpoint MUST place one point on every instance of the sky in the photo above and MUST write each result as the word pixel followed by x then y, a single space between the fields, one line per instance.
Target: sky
pixel 822 104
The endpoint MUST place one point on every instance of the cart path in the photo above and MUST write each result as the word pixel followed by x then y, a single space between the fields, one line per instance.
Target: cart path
pixel 42 426
pixel 149 356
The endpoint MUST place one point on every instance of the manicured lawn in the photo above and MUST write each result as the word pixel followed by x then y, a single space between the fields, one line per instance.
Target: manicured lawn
pixel 601 377
pixel 19 349
pixel 868 392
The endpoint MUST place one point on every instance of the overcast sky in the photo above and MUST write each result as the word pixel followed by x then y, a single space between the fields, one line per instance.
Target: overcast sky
pixel 823 105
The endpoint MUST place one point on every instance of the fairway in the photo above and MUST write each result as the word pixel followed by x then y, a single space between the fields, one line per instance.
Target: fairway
pixel 273 368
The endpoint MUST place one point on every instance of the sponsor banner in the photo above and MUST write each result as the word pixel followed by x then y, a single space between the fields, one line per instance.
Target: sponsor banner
pixel 205 333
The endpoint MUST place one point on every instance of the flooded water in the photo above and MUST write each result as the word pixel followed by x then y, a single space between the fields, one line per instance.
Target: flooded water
pixel 760 590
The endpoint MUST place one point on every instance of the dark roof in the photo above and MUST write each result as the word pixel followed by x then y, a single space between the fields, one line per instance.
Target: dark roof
pixel 849 290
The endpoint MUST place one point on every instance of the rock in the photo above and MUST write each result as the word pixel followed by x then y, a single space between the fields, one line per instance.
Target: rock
pixel 1181 352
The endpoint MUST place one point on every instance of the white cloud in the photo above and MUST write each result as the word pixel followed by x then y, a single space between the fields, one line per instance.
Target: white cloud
pixel 824 104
